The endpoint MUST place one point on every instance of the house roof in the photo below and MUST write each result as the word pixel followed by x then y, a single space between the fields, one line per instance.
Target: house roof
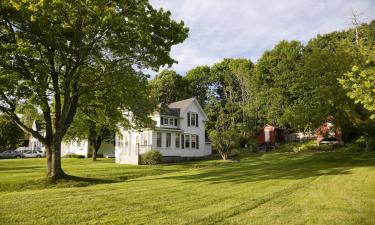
pixel 183 104
pixel 167 111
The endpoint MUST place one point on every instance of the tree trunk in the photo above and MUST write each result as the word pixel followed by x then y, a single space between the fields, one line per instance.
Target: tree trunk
pixel 96 147
pixel 49 161
pixel 94 153
pixel 54 169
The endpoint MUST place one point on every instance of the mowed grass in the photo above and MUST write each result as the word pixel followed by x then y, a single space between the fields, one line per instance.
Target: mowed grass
pixel 275 188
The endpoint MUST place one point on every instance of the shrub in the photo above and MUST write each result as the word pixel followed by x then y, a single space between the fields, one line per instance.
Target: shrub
pixel 235 153
pixel 72 155
pixel 151 158
pixel 298 146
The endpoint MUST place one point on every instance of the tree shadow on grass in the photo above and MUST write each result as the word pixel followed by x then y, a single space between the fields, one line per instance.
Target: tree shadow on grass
pixel 274 166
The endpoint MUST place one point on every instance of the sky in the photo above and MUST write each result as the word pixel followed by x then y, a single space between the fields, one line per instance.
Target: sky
pixel 221 29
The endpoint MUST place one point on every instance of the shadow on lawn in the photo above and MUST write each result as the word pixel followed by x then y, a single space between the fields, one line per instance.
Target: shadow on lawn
pixel 85 181
pixel 275 166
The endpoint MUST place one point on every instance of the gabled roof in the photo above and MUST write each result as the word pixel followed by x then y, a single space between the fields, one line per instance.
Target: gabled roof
pixel 166 111
pixel 183 105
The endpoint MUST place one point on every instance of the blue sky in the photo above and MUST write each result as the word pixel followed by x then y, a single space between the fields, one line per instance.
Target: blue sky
pixel 246 28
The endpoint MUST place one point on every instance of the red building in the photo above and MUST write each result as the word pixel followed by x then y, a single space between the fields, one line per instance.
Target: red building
pixel 270 135
pixel 327 133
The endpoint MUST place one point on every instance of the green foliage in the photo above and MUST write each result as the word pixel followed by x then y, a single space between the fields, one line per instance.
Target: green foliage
pixel 229 94
pixel 151 157
pixel 168 86
pixel 275 85
pixel 198 81
pixel 11 136
pixel 54 54
pixel 298 147
pixel 360 82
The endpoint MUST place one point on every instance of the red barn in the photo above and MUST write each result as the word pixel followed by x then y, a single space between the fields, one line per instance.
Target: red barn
pixel 270 135
pixel 327 133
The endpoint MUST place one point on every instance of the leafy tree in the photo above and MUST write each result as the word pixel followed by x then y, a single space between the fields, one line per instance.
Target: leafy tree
pixel 50 52
pixel 11 136
pixel 229 89
pixel 360 82
pixel 225 136
pixel 198 80
pixel 101 112
pixel 274 85
pixel 168 86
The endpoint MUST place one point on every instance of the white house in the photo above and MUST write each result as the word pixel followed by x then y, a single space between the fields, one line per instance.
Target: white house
pixel 78 147
pixel 179 133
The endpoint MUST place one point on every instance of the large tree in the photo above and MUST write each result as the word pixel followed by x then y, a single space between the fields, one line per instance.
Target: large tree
pixel 229 86
pixel 50 52
pixel 168 86
pixel 274 84
pixel 198 82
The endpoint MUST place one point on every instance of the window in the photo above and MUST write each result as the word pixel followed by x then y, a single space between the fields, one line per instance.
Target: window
pixel 161 120
pixel 166 121
pixel 145 139
pixel 187 141
pixel 158 139
pixel 192 119
pixel 182 141
pixel 168 140
pixel 175 122
pixel 177 141
pixel 193 141
pixel 171 121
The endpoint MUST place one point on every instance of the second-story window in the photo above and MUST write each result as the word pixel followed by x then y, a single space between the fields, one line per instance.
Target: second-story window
pixel 166 121
pixel 193 119
pixel 171 121
pixel 168 140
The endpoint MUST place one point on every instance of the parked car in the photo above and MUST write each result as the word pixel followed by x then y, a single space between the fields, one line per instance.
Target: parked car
pixel 32 153
pixel 10 154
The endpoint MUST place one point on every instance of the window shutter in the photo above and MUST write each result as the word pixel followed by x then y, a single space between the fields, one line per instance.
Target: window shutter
pixel 182 141
pixel 197 139
pixel 161 120
pixel 188 119
pixel 196 119
pixel 175 122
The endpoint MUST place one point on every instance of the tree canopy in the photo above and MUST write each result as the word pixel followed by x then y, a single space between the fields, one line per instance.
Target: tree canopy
pixel 51 53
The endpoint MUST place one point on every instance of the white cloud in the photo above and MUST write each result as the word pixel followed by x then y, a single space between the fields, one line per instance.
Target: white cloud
pixel 242 28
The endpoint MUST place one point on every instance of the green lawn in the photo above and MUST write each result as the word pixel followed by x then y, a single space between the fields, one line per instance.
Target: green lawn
pixel 276 188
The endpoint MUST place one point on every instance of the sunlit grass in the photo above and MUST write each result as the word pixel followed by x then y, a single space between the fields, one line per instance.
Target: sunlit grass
pixel 272 188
